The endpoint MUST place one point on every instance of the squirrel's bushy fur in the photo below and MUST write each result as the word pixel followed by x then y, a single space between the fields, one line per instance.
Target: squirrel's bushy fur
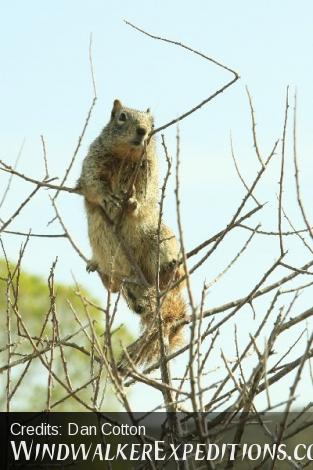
pixel 119 181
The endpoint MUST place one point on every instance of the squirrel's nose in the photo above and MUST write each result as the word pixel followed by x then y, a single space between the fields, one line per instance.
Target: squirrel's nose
pixel 141 131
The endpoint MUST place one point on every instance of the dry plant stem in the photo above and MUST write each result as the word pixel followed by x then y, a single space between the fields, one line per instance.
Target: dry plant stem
pixel 118 297
pixel 107 350
pixel 233 261
pixel 112 372
pixel 18 210
pixel 238 171
pixel 191 302
pixel 260 372
pixel 272 233
pixel 255 142
pixel 111 358
pixel 232 377
pixel 207 354
pixel 281 374
pixel 7 189
pixel 43 184
pixel 90 335
pixel 67 234
pixel 134 372
pixel 9 340
pixel 219 64
pixel 281 180
pixel 9 337
pixel 85 331
pixel 199 341
pixel 277 365
pixel 310 362
pixel 15 274
pixel 198 349
pixel 211 97
pixel 53 339
pixel 222 232
pixel 239 358
pixel 115 380
pixel 298 288
pixel 55 332
pixel 295 158
pixel 292 268
pixel 298 233
pixel 80 139
pixel 20 379
pixel 63 357
pixel 299 318
pixel 164 365
pixel 36 235
pixel 44 154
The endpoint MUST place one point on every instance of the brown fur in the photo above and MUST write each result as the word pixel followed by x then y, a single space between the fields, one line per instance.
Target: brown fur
pixel 107 172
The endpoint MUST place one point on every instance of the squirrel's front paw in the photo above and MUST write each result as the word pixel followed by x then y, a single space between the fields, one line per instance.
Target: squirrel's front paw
pixel 91 266
pixel 168 273
pixel 132 204
pixel 113 200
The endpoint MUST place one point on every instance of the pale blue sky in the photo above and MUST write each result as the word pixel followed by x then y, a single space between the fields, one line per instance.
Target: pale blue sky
pixel 45 88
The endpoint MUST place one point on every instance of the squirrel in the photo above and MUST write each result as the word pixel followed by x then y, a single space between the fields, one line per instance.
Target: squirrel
pixel 119 182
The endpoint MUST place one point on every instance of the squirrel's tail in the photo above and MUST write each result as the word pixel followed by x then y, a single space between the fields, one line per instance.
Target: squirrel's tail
pixel 147 347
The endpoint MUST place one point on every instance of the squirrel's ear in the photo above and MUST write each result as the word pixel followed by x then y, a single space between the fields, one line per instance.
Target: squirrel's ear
pixel 148 110
pixel 117 105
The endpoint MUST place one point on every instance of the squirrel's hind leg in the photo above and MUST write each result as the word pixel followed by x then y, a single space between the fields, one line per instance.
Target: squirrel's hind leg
pixel 138 298
pixel 169 254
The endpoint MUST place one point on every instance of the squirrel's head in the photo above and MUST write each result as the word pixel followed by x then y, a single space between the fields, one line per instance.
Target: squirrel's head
pixel 131 130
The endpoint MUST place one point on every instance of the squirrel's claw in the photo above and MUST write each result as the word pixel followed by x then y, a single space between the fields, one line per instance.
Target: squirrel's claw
pixel 91 266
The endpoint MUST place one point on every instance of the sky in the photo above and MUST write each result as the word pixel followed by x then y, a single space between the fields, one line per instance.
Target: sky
pixel 46 89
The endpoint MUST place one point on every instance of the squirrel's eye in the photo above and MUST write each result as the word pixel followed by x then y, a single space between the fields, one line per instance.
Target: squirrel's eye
pixel 122 117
